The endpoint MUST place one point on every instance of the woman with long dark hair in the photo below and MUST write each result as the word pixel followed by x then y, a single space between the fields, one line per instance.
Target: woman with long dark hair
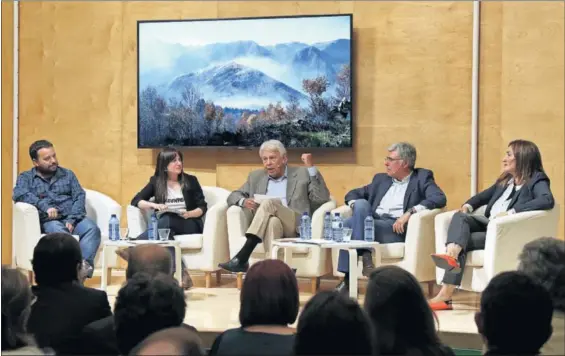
pixel 178 199
pixel 402 319
pixel 522 186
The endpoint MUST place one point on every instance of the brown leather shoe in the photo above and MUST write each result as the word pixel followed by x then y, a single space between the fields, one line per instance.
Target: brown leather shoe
pixel 368 265
pixel 186 280
pixel 123 253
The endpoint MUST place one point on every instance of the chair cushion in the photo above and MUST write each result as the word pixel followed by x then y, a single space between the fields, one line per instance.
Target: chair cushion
pixel 476 258
pixel 192 241
pixel 392 251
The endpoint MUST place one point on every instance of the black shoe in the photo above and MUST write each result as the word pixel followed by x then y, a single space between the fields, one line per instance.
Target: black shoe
pixel 234 265
pixel 343 287
pixel 368 265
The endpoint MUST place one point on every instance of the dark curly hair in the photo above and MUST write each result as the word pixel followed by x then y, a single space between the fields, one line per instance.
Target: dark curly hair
pixel 515 314
pixel 544 261
pixel 144 305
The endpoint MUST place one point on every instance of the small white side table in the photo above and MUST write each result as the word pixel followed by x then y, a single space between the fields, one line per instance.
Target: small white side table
pixel 351 246
pixel 109 246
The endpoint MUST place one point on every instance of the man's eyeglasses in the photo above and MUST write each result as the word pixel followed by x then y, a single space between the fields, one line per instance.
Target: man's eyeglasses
pixel 390 159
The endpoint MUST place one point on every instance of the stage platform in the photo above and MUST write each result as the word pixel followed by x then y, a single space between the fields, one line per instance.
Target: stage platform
pixel 213 310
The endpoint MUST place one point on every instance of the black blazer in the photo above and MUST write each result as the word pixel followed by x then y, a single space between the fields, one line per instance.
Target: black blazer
pixel 422 190
pixel 192 193
pixel 61 312
pixel 534 195
pixel 99 338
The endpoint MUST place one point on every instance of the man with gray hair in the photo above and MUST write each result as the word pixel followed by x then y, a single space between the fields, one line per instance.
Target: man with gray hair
pixel 391 198
pixel 294 190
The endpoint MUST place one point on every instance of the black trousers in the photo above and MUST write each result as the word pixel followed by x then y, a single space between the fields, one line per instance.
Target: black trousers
pixel 469 232
pixel 178 226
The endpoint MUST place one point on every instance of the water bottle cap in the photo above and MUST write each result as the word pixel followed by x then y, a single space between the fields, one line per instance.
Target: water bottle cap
pixel 113 215
pixel 328 213
pixel 336 214
pixel 305 213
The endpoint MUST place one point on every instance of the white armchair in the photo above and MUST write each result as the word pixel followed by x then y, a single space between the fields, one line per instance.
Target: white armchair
pixel 505 238
pixel 27 231
pixel 309 262
pixel 413 255
pixel 200 252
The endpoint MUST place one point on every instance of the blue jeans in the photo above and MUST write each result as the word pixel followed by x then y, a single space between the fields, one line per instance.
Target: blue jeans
pixel 383 230
pixel 87 231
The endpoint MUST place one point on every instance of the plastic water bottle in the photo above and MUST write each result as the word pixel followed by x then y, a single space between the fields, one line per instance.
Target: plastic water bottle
pixel 305 227
pixel 369 229
pixel 337 228
pixel 328 226
pixel 153 232
pixel 114 228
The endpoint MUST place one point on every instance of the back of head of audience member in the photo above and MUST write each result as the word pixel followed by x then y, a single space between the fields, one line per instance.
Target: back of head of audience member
pixel 333 324
pixel 515 314
pixel 16 306
pixel 269 295
pixel 401 317
pixel 543 260
pixel 56 259
pixel 149 259
pixel 172 341
pixel 144 305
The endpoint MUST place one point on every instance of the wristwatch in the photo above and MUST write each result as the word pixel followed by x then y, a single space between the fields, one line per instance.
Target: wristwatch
pixel 412 210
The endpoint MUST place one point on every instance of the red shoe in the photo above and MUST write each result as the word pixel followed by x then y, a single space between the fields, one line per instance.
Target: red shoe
pixel 446 262
pixel 447 305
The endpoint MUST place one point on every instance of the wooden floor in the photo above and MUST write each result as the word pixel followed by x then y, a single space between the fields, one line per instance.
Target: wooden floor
pixel 213 310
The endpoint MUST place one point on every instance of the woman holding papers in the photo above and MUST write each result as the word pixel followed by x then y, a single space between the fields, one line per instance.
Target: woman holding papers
pixel 177 199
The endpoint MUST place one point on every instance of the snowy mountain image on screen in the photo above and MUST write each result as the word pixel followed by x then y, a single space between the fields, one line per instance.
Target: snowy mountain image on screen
pixel 236 76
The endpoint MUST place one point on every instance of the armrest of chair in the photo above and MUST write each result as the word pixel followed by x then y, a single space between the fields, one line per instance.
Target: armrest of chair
pixel 136 221
pixel 507 235
pixel 318 219
pixel 100 207
pixel 442 222
pixel 238 222
pixel 344 211
pixel 419 244
pixel 27 233
pixel 215 236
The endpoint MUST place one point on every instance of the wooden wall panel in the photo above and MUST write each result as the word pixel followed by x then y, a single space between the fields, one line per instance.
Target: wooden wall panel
pixel 7 127
pixel 70 88
pixel 412 63
pixel 530 59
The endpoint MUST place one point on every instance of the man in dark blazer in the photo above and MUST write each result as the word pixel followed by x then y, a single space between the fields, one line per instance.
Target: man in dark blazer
pixel 63 306
pixel 294 190
pixel 391 199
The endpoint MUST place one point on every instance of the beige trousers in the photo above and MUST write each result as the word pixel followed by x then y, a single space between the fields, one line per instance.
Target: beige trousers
pixel 272 220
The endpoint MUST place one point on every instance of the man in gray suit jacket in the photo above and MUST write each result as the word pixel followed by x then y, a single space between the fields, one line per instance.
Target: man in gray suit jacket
pixel 295 190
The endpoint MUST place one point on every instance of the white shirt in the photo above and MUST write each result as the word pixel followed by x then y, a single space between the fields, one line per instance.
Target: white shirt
pixel 175 200
pixel 502 203
pixel 392 202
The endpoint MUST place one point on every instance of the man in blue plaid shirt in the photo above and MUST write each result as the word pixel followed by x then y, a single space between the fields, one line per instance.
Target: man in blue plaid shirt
pixel 59 199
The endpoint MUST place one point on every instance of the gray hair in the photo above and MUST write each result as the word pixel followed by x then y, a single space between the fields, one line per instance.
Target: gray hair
pixel 273 145
pixel 405 151
pixel 544 261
